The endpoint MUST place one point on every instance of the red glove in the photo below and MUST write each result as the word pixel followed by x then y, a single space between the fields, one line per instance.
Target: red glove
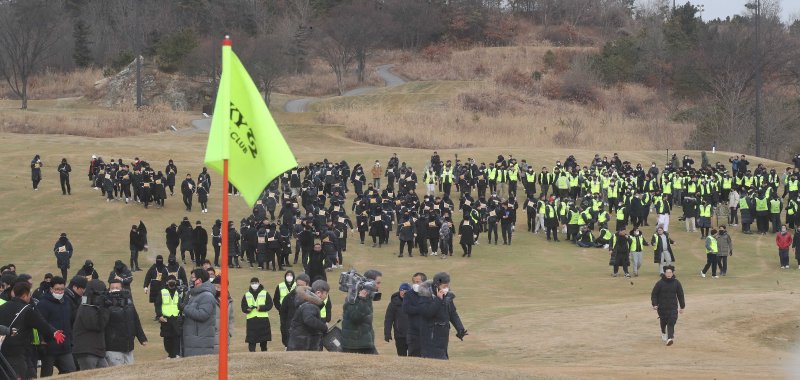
pixel 59 336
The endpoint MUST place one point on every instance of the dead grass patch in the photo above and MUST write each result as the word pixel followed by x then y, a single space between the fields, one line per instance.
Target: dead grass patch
pixel 54 85
pixel 320 80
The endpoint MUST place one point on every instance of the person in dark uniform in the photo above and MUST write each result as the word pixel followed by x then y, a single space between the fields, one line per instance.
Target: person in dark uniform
pixel 63 174
pixel 185 234
pixel 171 171
pixel 63 251
pixel 188 189
pixel 154 281
pixel 36 171
pixel 199 243
pixel 202 198
pixel 173 239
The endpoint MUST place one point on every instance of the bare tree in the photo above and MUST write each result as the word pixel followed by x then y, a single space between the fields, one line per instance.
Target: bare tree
pixel 29 30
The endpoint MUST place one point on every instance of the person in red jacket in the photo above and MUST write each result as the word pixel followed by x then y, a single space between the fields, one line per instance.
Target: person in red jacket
pixel 784 240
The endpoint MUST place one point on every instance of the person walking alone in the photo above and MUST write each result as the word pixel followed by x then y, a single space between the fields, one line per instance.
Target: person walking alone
pixel 666 297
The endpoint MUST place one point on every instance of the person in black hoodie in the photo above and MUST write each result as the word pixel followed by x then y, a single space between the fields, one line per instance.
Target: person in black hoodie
pixel 216 240
pixel 255 304
pixel 199 243
pixel 123 326
pixel 89 329
pixel 412 308
pixel 57 310
pixel 185 233
pixel 438 312
pixel 154 280
pixel 122 274
pixel 396 319
pixel 173 240
pixel 63 175
pixel 63 252
pixel 36 171
pixel 666 296
pixel 134 244
pixel 88 271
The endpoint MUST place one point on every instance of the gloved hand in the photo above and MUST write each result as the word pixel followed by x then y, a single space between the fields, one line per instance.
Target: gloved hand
pixel 461 335
pixel 387 338
pixel 59 336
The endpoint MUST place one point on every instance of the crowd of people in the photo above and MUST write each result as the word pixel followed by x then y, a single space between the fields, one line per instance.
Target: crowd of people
pixel 305 214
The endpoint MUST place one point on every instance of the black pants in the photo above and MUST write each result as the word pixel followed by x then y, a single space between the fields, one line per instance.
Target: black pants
pixel 553 230
pixel 187 200
pixel 422 245
pixel 413 344
pixel 252 346
pixel 402 347
pixel 492 232
pixel 173 346
pixel 467 250
pixel 65 188
pixel 134 258
pixel 711 261
pixel 531 218
pixel 199 256
pixel 623 264
pixel 762 222
pixel 216 254
pixel 285 331
pixel 668 319
pixel 403 244
pixel 19 363
pixel 64 273
pixel 505 229
pixel 65 364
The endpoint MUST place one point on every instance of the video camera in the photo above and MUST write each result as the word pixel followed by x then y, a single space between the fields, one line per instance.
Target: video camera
pixel 109 299
pixel 352 282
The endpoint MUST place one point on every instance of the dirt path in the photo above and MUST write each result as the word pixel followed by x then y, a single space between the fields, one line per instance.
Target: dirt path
pixel 384 71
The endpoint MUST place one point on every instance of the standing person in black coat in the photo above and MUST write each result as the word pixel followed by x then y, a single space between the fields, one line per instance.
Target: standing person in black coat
pixel 173 239
pixel 123 327
pixel 202 198
pixel 412 308
pixel 63 175
pixel 87 270
pixel 438 312
pixel 216 240
pixel 199 243
pixel 667 295
pixel 171 171
pixel 466 238
pixel 188 188
pixel 620 253
pixel 134 245
pixel 256 303
pixel 122 274
pixel 396 319
pixel 36 171
pixel 89 346
pixel 185 233
pixel 317 263
pixel 58 312
pixel 307 327
pixel 63 251
pixel 154 280
pixel 279 300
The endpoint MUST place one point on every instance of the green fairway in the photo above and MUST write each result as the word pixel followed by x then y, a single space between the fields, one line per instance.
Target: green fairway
pixel 531 305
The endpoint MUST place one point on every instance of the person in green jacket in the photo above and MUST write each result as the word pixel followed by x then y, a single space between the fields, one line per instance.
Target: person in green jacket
pixel 357 334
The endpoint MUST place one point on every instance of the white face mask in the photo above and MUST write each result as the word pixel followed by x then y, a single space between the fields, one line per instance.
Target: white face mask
pixel 445 291
pixel 289 278
pixel 113 290
pixel 58 296
pixel 415 287
pixel 254 286
pixel 210 279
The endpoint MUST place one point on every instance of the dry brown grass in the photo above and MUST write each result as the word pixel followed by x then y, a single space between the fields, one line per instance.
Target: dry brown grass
pixel 55 85
pixel 481 62
pixel 320 80
pixel 92 122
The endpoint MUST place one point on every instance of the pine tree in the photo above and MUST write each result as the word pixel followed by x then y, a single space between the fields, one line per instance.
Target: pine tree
pixel 82 54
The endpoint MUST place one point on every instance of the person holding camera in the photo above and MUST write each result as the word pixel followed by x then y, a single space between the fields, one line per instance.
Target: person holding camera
pixel 123 326
pixel 199 313
pixel 89 328
pixel 437 313
pixel 357 334
pixel 307 327
pixel 256 303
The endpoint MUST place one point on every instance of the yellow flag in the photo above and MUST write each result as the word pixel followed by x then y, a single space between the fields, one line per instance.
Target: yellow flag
pixel 244 133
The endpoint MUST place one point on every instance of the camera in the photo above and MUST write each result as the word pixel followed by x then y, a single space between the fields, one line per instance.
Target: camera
pixel 352 282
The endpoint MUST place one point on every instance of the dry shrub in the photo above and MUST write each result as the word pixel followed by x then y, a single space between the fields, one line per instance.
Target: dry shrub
pixel 579 84
pixel 54 85
pixel 123 121
pixel 570 132
pixel 517 80
pixel 566 35
pixel 437 53
pixel 321 81
pixel 489 104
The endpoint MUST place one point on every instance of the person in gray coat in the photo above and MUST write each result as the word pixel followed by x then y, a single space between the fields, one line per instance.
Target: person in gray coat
pixel 199 322
pixel 724 249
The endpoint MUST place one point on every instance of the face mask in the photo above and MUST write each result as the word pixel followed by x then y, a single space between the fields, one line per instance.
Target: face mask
pixel 415 287
pixel 58 296
pixel 254 286
pixel 211 279
pixel 171 285
pixel 289 278
pixel 113 291
pixel 446 290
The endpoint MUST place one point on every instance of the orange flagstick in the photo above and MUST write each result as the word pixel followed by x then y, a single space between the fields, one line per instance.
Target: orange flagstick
pixel 223 297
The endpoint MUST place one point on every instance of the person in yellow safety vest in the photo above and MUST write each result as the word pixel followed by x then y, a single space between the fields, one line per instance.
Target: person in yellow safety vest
pixel 167 313
pixel 622 217
pixel 603 238
pixel 325 310
pixel 704 221
pixel 447 178
pixel 530 183
pixel 603 218
pixel 574 185
pixel 573 221
pixel 637 242
pixel 746 212
pixel 256 304
pixel 551 221
pixel 546 180
pixel 792 185
pixel 278 296
pixel 791 213
pixel 491 175
pixel 762 214
pixel 513 177
pixel 775 208
pixel 711 255
pixel 562 184
pixel 430 181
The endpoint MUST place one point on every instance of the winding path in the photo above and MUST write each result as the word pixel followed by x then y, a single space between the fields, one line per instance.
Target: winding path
pixel 384 72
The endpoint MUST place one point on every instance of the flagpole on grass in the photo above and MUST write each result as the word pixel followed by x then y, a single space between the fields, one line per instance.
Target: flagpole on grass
pixel 223 294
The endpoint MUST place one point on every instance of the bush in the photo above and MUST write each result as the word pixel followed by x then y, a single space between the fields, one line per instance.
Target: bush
pixel 437 53
pixel 123 59
pixel 488 104
pixel 172 49
pixel 579 84
pixel 517 80
pixel 569 132
pixel 566 35
pixel 549 60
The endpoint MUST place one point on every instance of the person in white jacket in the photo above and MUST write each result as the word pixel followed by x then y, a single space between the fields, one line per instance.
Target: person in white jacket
pixel 733 205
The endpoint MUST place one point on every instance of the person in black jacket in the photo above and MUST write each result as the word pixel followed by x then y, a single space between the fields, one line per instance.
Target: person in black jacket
pixel 123 326
pixel 411 307
pixel 216 240
pixel 89 329
pixel 63 251
pixel 87 270
pixel 307 327
pixel 188 189
pixel 36 171
pixel 256 304
pixel 63 174
pixel 317 263
pixel 667 295
pixel 199 243
pixel 57 311
pixel 185 233
pixel 396 319
pixel 122 274
pixel 438 311
pixel 154 280
pixel 173 240
pixel 134 243
pixel 18 313
pixel 620 253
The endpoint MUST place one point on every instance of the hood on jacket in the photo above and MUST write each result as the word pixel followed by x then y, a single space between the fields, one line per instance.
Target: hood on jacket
pixel 204 287
pixel 93 288
pixel 304 295
pixel 119 266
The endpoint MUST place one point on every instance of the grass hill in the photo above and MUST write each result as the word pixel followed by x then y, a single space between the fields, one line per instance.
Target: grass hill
pixel 536 307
